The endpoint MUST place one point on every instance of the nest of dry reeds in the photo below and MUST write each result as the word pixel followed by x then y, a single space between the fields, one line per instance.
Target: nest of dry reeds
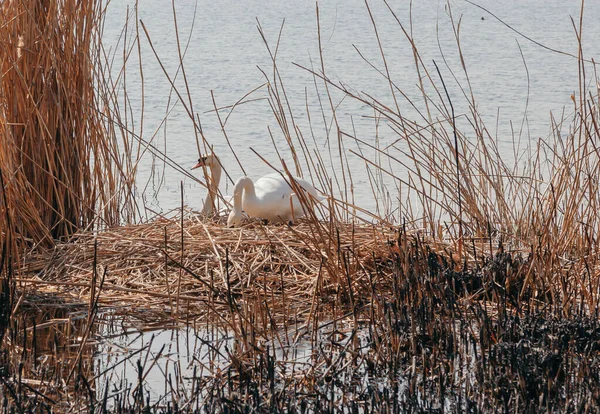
pixel 195 268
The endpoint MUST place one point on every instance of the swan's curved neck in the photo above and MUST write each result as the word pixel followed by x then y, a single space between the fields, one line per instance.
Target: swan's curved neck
pixel 213 188
pixel 244 188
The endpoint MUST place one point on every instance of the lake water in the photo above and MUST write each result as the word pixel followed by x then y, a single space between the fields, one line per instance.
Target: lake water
pixel 224 56
pixel 174 361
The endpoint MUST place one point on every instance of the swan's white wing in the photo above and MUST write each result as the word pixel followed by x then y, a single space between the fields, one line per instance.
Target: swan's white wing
pixel 273 198
pixel 276 183
pixel 275 201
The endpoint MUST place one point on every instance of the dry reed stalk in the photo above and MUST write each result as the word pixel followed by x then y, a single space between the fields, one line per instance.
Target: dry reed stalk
pixel 60 170
pixel 9 257
pixel 545 207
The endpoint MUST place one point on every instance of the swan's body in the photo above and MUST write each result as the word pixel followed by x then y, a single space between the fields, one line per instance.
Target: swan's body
pixel 211 162
pixel 270 198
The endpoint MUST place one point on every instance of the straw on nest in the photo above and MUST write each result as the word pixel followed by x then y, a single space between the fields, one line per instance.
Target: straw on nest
pixel 198 268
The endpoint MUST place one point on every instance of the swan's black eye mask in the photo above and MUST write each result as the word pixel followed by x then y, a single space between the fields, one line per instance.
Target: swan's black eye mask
pixel 201 162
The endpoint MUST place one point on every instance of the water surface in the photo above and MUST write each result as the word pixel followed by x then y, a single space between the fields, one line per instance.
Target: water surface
pixel 516 82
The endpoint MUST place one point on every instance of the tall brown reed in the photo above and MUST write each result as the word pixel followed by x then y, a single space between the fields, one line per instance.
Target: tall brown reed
pixel 469 191
pixel 57 155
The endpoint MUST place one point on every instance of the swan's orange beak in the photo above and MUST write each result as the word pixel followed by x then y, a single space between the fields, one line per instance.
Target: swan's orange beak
pixel 200 164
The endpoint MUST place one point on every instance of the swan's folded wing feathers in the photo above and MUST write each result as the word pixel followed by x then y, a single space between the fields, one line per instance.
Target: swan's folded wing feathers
pixel 273 198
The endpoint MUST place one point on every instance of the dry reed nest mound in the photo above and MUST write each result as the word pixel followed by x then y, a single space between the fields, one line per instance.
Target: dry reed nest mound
pixel 197 269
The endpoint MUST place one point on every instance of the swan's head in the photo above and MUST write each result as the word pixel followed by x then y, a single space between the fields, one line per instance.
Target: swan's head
pixel 207 160
pixel 234 219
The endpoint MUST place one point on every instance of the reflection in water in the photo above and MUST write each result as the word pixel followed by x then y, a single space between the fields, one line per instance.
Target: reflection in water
pixel 176 365
pixel 158 365
pixel 49 355
pixel 378 359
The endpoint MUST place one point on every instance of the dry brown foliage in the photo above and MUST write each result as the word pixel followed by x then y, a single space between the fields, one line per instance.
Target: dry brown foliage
pixel 58 156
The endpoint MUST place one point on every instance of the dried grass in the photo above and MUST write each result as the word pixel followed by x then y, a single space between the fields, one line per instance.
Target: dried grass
pixel 166 270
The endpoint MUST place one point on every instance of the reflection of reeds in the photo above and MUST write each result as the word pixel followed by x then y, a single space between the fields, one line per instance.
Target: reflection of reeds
pixel 46 345
pixel 57 155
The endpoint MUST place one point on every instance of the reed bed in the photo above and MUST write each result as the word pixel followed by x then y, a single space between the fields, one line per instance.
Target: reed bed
pixel 402 326
pixel 60 164
pixel 61 171
pixel 60 153
pixel 484 301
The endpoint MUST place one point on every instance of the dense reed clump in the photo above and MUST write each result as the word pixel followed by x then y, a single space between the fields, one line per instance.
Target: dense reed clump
pixel 60 167
pixel 58 157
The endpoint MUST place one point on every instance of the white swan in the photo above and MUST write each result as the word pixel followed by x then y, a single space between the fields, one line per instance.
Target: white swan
pixel 270 198
pixel 212 162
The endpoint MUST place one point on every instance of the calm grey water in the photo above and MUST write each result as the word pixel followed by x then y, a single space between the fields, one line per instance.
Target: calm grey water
pixel 224 51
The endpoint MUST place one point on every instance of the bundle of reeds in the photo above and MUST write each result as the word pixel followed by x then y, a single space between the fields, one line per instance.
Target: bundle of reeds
pixel 57 155
pixel 543 200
